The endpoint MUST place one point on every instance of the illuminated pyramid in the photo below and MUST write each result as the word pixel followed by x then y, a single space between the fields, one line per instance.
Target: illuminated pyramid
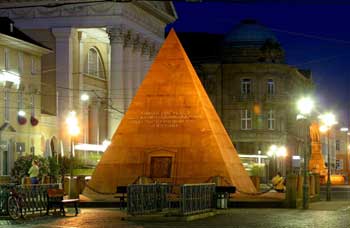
pixel 316 162
pixel 171 132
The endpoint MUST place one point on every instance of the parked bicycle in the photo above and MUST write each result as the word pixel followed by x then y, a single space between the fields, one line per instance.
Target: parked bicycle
pixel 16 205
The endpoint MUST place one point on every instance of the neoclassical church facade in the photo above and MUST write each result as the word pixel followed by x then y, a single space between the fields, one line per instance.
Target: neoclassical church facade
pixel 253 89
pixel 100 49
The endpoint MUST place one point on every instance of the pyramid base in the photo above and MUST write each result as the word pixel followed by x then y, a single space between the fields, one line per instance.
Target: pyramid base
pixel 90 195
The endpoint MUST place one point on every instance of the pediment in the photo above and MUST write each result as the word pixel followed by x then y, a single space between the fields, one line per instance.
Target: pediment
pixel 7 127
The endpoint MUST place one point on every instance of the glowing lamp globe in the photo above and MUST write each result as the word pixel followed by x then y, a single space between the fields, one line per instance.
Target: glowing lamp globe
pixel 305 105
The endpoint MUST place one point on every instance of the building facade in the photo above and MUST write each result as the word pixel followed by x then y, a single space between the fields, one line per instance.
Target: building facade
pixel 24 129
pixel 102 50
pixel 254 91
pixel 341 158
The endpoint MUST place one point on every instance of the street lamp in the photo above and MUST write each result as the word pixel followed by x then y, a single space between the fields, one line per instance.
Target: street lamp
pixel 305 106
pixel 84 97
pixel 327 121
pixel 73 131
pixel 276 152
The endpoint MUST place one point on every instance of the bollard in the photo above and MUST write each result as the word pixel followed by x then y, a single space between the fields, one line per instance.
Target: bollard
pixel 300 187
pixel 221 200
pixel 291 200
pixel 312 185
pixel 317 183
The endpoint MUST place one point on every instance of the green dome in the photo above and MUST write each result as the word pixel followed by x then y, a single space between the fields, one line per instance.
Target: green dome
pixel 249 31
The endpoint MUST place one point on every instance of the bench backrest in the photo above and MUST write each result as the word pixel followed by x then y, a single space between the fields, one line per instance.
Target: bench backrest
pixel 225 189
pixel 122 189
pixel 55 193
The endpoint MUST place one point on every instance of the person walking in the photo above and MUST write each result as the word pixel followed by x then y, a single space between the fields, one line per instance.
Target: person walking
pixel 34 172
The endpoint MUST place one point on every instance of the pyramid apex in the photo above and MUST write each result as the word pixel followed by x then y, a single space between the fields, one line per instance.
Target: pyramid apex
pixel 172 30
pixel 172 33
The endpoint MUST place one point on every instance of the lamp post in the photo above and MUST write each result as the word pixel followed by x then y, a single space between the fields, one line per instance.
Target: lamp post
pixel 73 131
pixel 345 166
pixel 305 106
pixel 328 120
pixel 84 98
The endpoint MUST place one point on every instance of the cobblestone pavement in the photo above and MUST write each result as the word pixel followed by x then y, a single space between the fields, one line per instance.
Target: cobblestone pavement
pixel 318 217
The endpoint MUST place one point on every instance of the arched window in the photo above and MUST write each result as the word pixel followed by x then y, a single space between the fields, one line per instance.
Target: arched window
pixel 94 64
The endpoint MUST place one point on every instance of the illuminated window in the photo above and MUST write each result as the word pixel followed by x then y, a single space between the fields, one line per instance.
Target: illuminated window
pixel 271 120
pixel 94 66
pixel 270 87
pixel 7 58
pixel 33 65
pixel 20 100
pixel 32 104
pixel 245 86
pixel 337 145
pixel 7 106
pixel 20 63
pixel 246 119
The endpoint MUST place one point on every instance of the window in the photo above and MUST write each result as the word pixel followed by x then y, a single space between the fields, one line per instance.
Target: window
pixel 94 66
pixel 20 62
pixel 20 100
pixel 7 106
pixel 339 164
pixel 270 87
pixel 246 119
pixel 337 145
pixel 33 65
pixel 32 104
pixel 245 86
pixel 271 120
pixel 7 58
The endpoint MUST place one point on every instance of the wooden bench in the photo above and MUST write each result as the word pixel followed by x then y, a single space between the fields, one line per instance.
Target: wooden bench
pixel 121 191
pixel 55 200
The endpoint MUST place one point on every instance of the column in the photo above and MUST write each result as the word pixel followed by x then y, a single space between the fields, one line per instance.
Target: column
pixel 95 123
pixel 64 79
pixel 116 86
pixel 146 61
pixel 138 75
pixel 83 105
pixel 128 68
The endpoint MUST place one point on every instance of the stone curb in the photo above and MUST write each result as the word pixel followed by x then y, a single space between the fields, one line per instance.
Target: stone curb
pixel 165 218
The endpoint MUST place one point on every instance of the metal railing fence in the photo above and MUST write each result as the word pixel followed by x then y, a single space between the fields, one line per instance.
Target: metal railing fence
pixel 34 196
pixel 147 198
pixel 196 198
pixel 150 198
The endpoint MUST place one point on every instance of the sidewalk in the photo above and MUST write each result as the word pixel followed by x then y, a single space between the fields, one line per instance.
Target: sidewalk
pixel 335 205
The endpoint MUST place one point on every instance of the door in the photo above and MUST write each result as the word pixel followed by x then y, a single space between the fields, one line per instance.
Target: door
pixel 161 167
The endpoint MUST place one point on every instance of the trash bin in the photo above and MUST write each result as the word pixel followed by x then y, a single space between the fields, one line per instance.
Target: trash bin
pixel 221 200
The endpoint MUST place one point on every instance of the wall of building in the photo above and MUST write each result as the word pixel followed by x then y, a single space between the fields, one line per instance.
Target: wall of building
pixel 223 84
pixel 18 139
pixel 341 152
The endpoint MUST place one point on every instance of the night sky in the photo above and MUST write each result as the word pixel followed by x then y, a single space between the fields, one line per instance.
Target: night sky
pixel 314 36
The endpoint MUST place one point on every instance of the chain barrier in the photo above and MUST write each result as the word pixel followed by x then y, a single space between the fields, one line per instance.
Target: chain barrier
pixel 109 193
pixel 254 193
pixel 98 192
pixel 225 180
pixel 243 192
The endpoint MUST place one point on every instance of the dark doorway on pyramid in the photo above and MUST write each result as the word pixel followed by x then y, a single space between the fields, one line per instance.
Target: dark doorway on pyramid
pixel 161 167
